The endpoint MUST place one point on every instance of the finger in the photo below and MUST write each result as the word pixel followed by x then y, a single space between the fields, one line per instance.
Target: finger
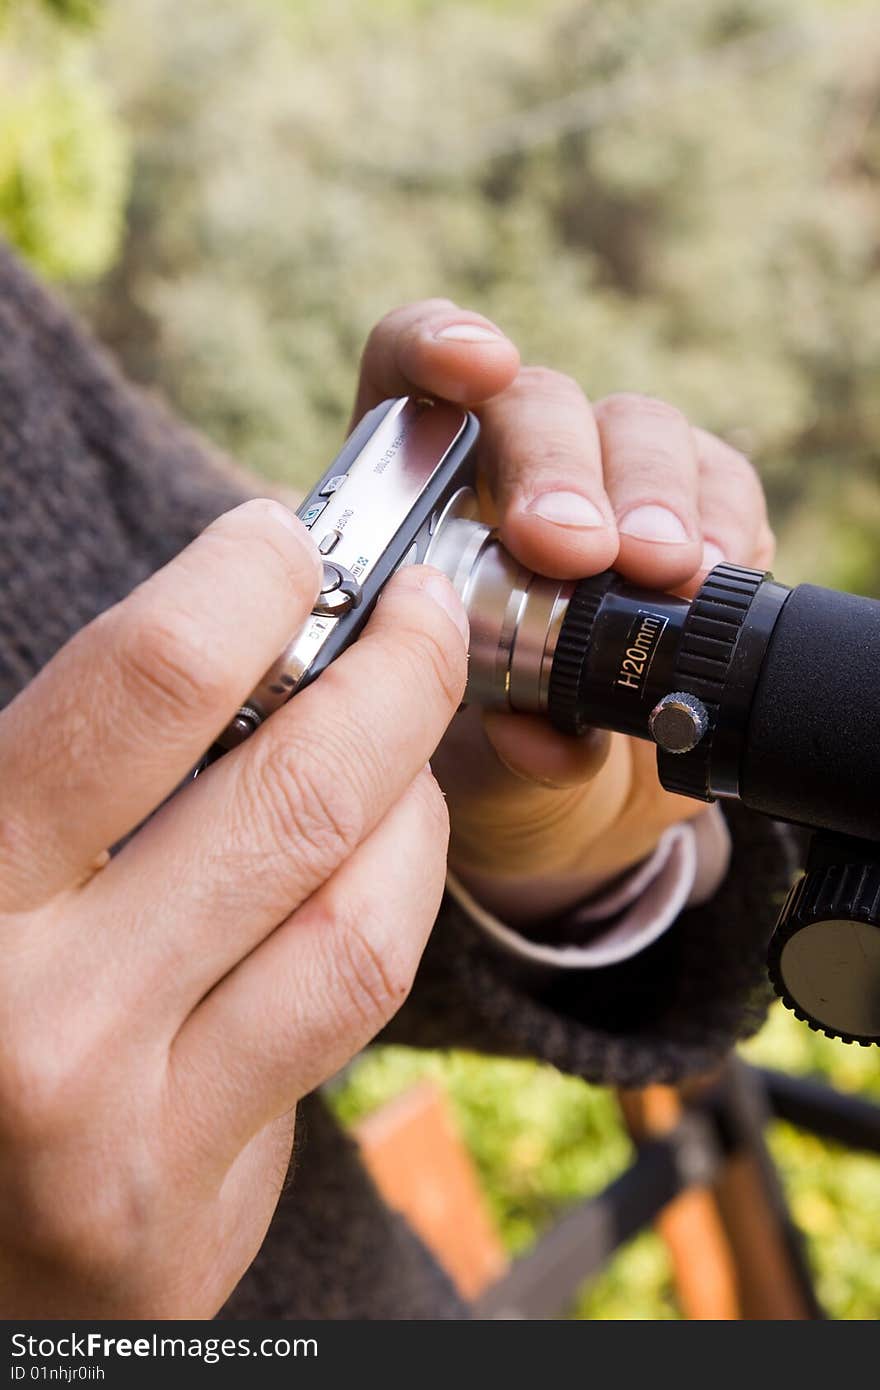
pixel 530 749
pixel 118 717
pixel 511 783
pixel 509 780
pixel 543 462
pixel 488 759
pixel 650 463
pixel 435 347
pixel 241 848
pixel 733 513
pixel 253 1182
pixel 322 985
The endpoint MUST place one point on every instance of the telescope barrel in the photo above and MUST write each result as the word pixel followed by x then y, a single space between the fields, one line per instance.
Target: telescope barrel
pixel 812 746
pixel 752 690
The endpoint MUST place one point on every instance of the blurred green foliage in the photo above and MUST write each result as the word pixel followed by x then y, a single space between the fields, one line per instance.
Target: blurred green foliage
pixel 681 199
pixel 64 171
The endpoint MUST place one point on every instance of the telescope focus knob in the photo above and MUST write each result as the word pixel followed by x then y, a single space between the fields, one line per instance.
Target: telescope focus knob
pixel 824 958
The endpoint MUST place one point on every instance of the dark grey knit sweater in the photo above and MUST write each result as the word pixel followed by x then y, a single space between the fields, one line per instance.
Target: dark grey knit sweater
pixel 99 487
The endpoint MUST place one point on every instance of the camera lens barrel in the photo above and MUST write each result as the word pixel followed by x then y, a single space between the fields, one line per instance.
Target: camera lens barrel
pixel 515 615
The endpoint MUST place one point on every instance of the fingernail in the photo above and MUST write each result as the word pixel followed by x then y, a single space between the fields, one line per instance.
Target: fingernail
pixel 653 524
pixel 712 555
pixel 566 509
pixel 437 587
pixel 470 333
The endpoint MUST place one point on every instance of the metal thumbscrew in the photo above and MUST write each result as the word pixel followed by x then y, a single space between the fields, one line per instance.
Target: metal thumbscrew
pixel 678 722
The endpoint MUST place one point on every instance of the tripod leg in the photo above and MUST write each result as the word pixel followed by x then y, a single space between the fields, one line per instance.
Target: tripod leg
pixel 773 1274
pixel 734 1249
pixel 690 1226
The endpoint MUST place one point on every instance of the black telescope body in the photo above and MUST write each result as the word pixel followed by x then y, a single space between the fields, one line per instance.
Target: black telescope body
pixel 770 695
pixel 789 680
pixel 811 749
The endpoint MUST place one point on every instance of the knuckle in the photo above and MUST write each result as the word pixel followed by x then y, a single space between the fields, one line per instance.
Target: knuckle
pixel 439 664
pixel 375 983
pixel 160 658
pixel 744 476
pixel 560 454
pixel 721 455
pixel 300 804
pixel 16 840
pixel 380 951
pixel 546 381
pixel 294 564
pixel 383 328
pixel 88 1228
pixel 435 815
pixel 61 1212
pixel 34 1093
pixel 652 462
pixel 622 406
pixel 744 492
pixel 431 305
pixel 765 550
pixel 401 317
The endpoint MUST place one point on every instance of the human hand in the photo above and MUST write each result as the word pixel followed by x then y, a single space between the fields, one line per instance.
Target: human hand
pixel 161 1013
pixel 538 819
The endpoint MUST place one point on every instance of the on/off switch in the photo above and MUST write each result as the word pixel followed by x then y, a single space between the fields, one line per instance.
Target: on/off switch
pixel 330 541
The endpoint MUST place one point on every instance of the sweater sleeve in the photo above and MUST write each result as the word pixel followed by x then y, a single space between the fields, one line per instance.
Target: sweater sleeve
pixel 670 1011
pixel 101 485
pixel 629 913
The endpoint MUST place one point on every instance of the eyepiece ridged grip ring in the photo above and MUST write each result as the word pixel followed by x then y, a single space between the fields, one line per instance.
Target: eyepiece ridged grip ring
pixel 572 654
pixel 706 650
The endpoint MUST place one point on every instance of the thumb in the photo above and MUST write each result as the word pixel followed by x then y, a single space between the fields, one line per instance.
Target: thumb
pixel 435 347
pixel 531 750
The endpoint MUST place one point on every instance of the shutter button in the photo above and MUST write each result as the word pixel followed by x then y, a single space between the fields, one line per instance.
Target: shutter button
pixel 332 579
pixel 340 592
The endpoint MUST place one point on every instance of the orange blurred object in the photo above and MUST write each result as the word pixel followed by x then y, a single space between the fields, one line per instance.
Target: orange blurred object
pixel 416 1158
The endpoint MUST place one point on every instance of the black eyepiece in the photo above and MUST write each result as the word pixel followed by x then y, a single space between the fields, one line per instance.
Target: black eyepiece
pixel 659 667
pixel 770 695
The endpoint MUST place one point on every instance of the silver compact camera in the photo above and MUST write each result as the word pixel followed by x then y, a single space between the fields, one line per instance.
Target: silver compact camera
pixel 402 492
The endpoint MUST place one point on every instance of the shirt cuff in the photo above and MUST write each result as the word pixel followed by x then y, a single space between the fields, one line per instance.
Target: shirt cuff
pixel 685 869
